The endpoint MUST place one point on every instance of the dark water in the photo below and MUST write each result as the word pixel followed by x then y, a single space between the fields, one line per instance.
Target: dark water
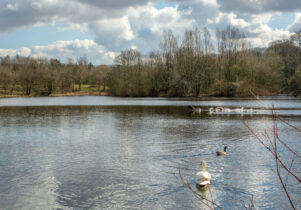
pixel 115 153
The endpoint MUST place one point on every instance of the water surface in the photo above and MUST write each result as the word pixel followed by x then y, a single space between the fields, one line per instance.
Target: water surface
pixel 125 153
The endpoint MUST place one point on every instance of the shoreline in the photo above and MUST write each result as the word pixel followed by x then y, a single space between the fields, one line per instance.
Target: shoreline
pixel 59 95
pixel 108 94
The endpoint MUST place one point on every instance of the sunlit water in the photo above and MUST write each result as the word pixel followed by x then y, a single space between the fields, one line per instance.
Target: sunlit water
pixel 125 153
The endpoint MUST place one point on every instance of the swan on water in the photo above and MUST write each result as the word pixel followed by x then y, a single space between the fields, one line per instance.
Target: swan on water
pixel 203 177
pixel 227 109
pixel 219 109
pixel 194 109
pixel 240 110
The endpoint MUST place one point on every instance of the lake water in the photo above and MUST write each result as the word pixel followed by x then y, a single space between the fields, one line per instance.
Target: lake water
pixel 125 153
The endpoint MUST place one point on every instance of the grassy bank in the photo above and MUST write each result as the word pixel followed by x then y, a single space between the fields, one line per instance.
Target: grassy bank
pixel 84 90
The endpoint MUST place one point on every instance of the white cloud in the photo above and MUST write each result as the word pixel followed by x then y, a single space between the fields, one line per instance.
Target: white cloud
pixel 224 19
pixel 255 27
pixel 115 4
pixel 209 3
pixel 65 50
pixel 74 49
pixel 65 11
pixel 12 7
pixel 13 52
pixel 259 6
pixel 141 26
pixel 120 24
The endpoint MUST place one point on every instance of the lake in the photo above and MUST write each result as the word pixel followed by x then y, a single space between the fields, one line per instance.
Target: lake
pixel 91 152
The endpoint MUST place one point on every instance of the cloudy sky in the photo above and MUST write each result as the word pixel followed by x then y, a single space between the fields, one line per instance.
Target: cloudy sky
pixel 99 29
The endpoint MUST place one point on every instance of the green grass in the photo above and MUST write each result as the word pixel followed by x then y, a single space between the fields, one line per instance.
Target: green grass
pixel 89 88
pixel 85 88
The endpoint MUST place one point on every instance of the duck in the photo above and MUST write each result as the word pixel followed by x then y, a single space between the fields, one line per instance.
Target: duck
pixel 203 177
pixel 211 110
pixel 220 152
pixel 194 109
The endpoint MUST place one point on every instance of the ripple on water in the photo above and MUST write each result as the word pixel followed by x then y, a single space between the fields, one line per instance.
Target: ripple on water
pixel 128 157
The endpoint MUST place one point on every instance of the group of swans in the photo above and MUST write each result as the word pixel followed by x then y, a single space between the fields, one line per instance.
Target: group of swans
pixel 203 177
pixel 220 109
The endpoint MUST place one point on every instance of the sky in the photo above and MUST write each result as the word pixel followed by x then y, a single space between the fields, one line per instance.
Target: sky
pixel 100 29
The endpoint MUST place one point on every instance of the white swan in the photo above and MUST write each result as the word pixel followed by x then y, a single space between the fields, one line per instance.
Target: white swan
pixel 195 110
pixel 227 110
pixel 219 109
pixel 240 110
pixel 203 177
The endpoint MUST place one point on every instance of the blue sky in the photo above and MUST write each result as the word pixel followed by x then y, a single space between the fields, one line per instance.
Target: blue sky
pixel 100 29
pixel 162 4
pixel 282 21
pixel 43 35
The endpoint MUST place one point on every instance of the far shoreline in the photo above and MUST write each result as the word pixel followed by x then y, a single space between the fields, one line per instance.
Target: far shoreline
pixel 58 95
pixel 109 95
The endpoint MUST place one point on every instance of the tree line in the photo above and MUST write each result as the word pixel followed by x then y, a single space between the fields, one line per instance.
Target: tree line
pixel 195 64
pixel 42 77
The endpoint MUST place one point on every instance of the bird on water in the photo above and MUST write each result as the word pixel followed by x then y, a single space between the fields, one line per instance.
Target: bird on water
pixel 222 152
pixel 195 109
pixel 203 177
